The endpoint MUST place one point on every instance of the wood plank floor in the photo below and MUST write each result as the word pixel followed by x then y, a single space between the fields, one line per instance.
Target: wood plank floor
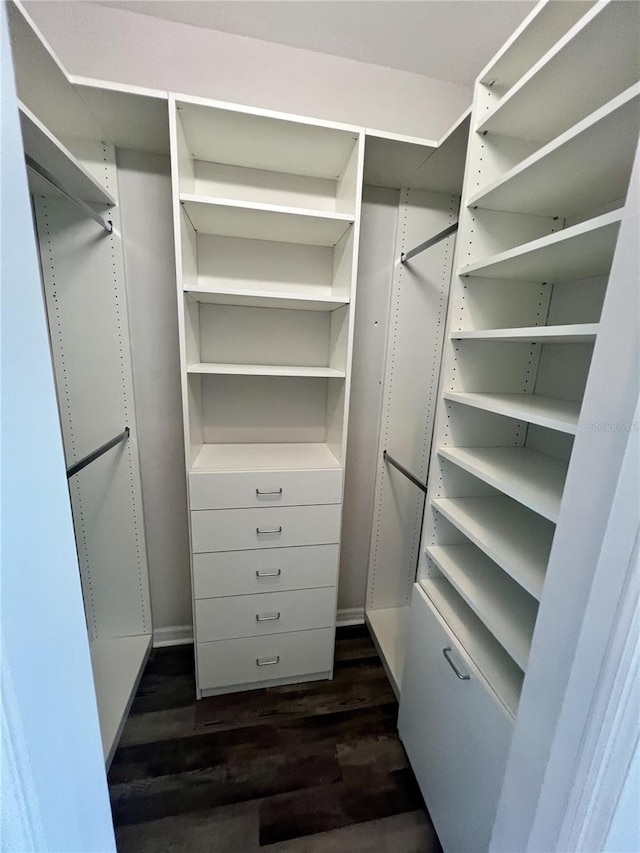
pixel 311 768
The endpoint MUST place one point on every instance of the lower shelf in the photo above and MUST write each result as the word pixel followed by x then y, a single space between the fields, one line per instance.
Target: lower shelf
pixel 388 627
pixel 254 457
pixel 117 664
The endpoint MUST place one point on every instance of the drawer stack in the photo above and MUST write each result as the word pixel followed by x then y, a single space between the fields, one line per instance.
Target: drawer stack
pixel 265 566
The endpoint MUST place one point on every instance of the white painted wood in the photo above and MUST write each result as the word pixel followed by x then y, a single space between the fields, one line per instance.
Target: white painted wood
pixel 235 662
pixel 455 731
pixel 264 613
pixel 443 171
pixel 243 457
pixel 391 162
pixel 388 627
pixel 264 370
pixel 515 538
pixel 266 299
pixel 239 489
pixel 267 527
pixel 272 570
pixel 549 412
pixel 578 333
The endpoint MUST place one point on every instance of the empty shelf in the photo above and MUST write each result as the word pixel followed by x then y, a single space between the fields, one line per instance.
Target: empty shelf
pixel 388 628
pixel 261 457
pixel 550 412
pixel 534 479
pixel 267 299
pixel 265 370
pixel 580 333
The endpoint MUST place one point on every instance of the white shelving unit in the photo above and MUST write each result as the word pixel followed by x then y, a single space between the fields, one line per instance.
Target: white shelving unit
pixel 555 127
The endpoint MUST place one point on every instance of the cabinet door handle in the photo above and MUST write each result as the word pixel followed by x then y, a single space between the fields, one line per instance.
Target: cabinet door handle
pixel 267 617
pixel 268 492
pixel 268 661
pixel 446 653
pixel 263 531
pixel 262 574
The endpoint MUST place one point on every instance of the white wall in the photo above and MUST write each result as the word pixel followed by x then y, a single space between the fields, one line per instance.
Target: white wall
pixel 111 44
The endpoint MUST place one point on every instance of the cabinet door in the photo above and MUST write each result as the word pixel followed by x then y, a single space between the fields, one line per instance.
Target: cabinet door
pixel 456 732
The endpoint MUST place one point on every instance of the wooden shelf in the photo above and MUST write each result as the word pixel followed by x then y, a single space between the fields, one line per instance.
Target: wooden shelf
pixel 51 154
pixel 582 169
pixel 502 605
pixel 266 299
pixel 276 223
pixel 254 457
pixel 582 251
pixel 534 479
pixel 501 672
pixel 265 370
pixel 515 538
pixel 580 333
pixel 550 412
pixel 388 629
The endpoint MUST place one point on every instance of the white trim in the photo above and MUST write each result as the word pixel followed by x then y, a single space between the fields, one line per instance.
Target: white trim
pixel 350 616
pixel 172 635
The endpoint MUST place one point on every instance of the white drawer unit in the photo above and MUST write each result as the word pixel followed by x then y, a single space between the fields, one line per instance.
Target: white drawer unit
pixel 266 613
pixel 243 529
pixel 264 570
pixel 238 664
pixel 234 489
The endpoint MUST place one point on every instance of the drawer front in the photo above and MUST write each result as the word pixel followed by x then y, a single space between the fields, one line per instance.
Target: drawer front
pixel 240 529
pixel 265 613
pixel 456 732
pixel 264 570
pixel 232 490
pixel 254 659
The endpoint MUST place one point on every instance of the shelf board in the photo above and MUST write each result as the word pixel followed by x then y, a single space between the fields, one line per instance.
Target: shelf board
pixel 581 251
pixel 550 412
pixel 264 457
pixel 388 630
pixel 499 669
pixel 276 223
pixel 390 162
pixel 531 478
pixel 265 370
pixel 578 333
pixel 498 601
pixel 582 169
pixel 266 299
pixel 40 144
pixel 515 538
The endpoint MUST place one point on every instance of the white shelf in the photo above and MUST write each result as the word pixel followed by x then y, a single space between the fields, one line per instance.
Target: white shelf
pixel 390 162
pixel 501 672
pixel 228 218
pixel 502 605
pixel 582 251
pixel 264 457
pixel 265 370
pixel 266 299
pixel 561 415
pixel 389 628
pixel 51 154
pixel 515 538
pixel 579 333
pixel 534 479
pixel 583 168
pixel 117 667
pixel 552 95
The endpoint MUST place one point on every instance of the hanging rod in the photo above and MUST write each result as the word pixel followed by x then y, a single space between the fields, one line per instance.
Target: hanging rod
pixel 46 176
pixel 91 457
pixel 403 470
pixel 447 232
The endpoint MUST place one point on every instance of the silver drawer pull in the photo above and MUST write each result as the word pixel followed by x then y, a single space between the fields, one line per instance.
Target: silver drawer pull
pixel 268 492
pixel 267 617
pixel 268 661
pixel 262 574
pixel 462 677
pixel 263 531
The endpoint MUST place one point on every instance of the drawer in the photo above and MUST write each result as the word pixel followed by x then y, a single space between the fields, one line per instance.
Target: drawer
pixel 264 613
pixel 264 570
pixel 232 490
pixel 240 529
pixel 456 732
pixel 253 659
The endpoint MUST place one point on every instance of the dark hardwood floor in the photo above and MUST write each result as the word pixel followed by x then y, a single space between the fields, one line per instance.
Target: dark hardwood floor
pixel 309 768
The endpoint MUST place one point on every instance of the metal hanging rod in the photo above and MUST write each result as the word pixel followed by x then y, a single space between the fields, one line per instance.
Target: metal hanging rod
pixel 448 231
pixel 46 176
pixel 403 470
pixel 91 457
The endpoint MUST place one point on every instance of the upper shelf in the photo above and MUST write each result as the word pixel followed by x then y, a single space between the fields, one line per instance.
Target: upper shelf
pixel 578 333
pixel 266 299
pixel 265 221
pixel 550 412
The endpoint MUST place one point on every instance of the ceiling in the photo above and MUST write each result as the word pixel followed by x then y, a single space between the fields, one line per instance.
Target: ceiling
pixel 448 39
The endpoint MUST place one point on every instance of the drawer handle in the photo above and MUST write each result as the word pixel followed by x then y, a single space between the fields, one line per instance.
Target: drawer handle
pixel 462 677
pixel 262 574
pixel 268 492
pixel 267 617
pixel 268 661
pixel 263 531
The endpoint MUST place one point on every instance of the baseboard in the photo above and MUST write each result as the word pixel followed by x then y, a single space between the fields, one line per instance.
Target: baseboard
pixel 174 635
pixel 350 616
